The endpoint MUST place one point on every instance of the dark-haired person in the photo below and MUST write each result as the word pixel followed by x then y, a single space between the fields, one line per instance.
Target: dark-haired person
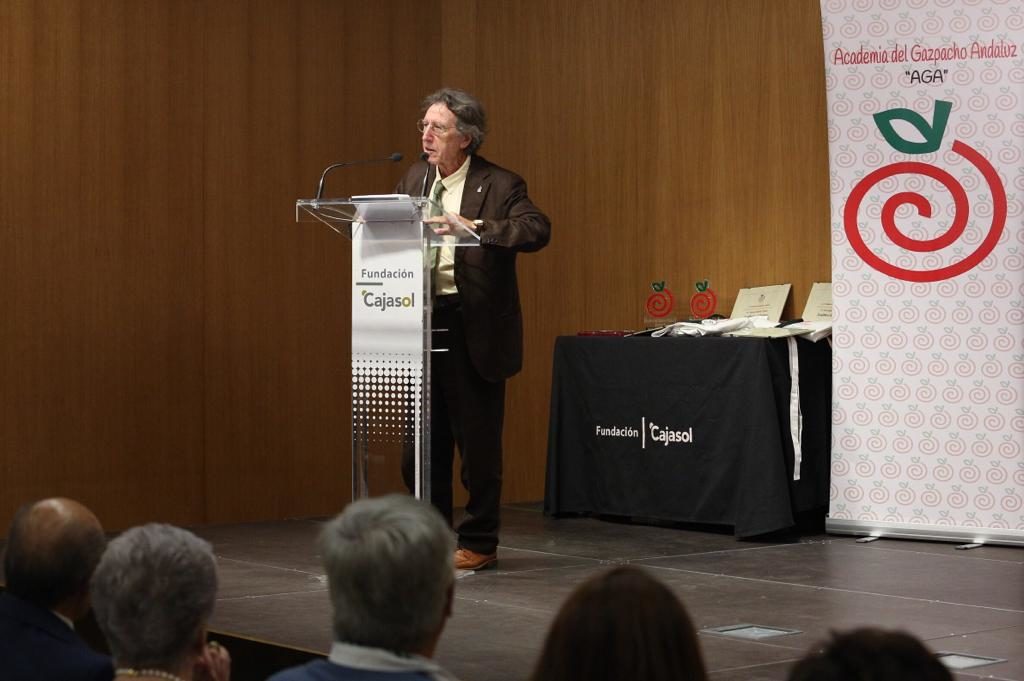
pixel 621 624
pixel 53 546
pixel 153 593
pixel 476 299
pixel 869 654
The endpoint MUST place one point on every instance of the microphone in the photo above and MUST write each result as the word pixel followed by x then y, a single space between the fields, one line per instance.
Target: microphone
pixel 423 190
pixel 320 188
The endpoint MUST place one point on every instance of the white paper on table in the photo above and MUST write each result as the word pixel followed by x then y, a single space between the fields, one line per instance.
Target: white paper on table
pixel 813 331
pixel 707 327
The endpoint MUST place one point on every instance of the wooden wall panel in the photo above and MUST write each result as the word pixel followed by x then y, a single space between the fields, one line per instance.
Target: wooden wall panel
pixel 667 140
pixel 102 260
pixel 292 87
pixel 174 346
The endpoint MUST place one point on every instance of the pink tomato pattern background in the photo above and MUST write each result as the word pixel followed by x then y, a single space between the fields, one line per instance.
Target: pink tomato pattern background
pixel 928 384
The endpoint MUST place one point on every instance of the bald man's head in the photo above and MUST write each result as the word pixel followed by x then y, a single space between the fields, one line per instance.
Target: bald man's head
pixel 53 547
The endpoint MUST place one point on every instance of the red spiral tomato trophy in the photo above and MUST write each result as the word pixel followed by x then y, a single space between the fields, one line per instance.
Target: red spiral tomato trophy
pixel 659 303
pixel 704 301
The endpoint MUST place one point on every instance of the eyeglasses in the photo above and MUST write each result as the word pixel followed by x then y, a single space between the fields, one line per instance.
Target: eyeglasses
pixel 435 129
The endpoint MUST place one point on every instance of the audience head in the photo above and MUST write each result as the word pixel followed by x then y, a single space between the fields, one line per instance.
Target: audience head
pixel 153 593
pixel 870 655
pixel 621 624
pixel 53 547
pixel 390 573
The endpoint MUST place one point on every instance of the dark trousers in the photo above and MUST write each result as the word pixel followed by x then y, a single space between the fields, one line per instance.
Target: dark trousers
pixel 468 412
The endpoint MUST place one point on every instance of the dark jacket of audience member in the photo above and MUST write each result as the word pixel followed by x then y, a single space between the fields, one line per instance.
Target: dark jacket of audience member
pixel 52 548
pixel 871 655
pixel 622 624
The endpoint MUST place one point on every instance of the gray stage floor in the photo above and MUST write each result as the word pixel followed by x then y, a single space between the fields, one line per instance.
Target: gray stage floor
pixel 272 588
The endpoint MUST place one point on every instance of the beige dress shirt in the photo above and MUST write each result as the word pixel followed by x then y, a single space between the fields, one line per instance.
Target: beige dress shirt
pixel 451 200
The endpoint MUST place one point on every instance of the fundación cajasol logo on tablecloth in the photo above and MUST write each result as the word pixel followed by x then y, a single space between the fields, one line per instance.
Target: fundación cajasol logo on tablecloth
pixel 647 433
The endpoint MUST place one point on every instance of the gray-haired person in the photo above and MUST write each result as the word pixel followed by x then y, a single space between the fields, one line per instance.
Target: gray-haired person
pixel 475 311
pixel 153 594
pixel 391 579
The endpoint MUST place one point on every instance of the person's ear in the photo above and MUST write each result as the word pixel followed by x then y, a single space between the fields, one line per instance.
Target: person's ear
pixel 449 600
pixel 199 643
pixel 77 607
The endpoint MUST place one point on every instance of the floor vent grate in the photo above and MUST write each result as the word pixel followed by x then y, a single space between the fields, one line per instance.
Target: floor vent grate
pixel 965 661
pixel 751 632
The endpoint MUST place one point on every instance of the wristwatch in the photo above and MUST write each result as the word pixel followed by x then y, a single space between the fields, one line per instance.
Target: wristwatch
pixel 479 224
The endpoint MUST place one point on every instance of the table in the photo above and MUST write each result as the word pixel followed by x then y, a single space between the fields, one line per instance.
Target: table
pixel 688 429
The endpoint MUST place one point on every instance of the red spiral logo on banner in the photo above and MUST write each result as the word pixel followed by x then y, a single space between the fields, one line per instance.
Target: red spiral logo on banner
pixel 924 209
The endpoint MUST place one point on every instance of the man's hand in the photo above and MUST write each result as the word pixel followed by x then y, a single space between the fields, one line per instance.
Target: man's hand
pixel 448 224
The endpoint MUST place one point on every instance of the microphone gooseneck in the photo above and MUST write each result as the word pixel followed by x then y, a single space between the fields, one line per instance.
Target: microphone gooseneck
pixel 423 190
pixel 323 176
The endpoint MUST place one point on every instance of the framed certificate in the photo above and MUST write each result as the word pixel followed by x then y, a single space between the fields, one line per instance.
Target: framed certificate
pixel 763 301
pixel 819 303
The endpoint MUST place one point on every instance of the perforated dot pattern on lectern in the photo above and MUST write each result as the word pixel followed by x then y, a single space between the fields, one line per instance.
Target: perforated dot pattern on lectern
pixel 385 392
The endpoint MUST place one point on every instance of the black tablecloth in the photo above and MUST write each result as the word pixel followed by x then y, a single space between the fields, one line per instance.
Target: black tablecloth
pixel 622 410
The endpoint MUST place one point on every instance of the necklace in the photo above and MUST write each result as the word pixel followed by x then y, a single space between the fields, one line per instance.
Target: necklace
pixel 155 673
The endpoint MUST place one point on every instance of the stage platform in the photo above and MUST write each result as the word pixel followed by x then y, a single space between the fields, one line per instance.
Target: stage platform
pixel 273 590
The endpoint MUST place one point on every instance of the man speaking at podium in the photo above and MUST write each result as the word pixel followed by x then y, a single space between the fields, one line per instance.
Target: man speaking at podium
pixel 476 298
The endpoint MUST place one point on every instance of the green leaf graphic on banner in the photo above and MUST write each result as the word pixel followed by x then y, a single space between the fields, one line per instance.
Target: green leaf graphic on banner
pixel 932 133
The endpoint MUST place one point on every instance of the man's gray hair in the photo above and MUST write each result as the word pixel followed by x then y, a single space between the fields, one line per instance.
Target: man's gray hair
pixel 470 118
pixel 152 592
pixel 389 563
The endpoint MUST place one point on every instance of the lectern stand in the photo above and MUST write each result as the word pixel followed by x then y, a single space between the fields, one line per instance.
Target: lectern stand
pixel 392 258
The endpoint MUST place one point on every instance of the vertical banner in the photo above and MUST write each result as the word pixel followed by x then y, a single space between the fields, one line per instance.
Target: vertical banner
pixel 925 125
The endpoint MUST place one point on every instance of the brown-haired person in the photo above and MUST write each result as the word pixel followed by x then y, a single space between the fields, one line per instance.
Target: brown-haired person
pixel 621 624
pixel 870 655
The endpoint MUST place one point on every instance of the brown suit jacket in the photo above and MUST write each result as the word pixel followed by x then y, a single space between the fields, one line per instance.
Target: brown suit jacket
pixel 486 276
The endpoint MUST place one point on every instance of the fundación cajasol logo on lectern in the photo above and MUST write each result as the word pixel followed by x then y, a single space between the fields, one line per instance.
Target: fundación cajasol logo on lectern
pixel 376 293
